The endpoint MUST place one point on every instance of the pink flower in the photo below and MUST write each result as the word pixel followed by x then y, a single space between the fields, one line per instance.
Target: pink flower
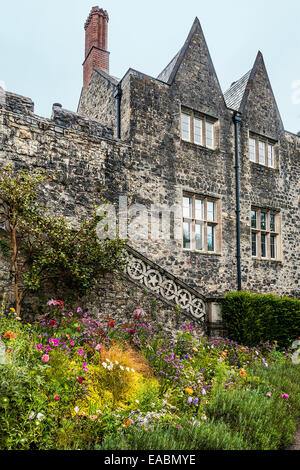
pixel 39 346
pixel 71 343
pixel 268 395
pixel 52 302
pixel 56 342
pixel 56 398
pixel 98 347
pixel 45 358
pixel 285 396
pixel 79 310
pixel 80 352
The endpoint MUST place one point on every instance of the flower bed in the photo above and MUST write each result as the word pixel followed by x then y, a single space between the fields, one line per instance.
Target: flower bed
pixel 70 381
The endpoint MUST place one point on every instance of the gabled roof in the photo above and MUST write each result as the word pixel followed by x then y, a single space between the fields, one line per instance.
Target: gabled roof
pixel 169 73
pixel 234 95
pixel 237 96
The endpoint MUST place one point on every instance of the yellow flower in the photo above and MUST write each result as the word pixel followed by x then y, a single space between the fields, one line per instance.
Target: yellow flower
pixel 189 391
pixel 243 373
pixel 195 349
pixel 12 310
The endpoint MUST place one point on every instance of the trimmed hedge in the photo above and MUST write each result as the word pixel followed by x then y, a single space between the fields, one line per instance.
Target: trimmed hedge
pixel 251 319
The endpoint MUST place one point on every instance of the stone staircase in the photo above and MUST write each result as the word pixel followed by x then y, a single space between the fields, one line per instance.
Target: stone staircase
pixel 167 287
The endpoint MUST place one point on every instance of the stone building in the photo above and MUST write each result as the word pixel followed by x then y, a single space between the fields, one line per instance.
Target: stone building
pixel 209 182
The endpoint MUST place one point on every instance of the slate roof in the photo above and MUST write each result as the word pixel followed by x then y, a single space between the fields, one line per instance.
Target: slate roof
pixel 106 75
pixel 164 76
pixel 233 96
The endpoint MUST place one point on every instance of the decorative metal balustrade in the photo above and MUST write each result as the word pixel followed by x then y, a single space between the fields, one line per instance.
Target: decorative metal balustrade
pixel 157 280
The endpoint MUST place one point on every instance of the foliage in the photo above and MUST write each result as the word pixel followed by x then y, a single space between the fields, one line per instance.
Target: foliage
pixel 44 248
pixel 253 318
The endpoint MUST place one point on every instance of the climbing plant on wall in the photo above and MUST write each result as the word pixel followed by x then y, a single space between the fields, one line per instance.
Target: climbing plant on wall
pixel 43 247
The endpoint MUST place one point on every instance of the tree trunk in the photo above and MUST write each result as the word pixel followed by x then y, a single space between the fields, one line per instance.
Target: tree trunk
pixel 16 269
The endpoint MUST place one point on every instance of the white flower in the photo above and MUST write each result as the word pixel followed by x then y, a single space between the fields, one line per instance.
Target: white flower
pixel 40 416
pixel 104 365
pixel 116 362
pixel 76 409
pixel 31 416
pixel 121 367
pixel 137 401
pixel 127 368
pixel 132 370
pixel 266 364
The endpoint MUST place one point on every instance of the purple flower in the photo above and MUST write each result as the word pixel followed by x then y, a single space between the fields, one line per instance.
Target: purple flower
pixel 190 400
pixel 196 401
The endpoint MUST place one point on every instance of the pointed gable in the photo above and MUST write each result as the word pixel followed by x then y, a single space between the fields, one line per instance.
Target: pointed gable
pixel 258 104
pixel 193 74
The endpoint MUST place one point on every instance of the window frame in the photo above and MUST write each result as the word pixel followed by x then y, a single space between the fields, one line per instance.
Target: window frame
pixel 205 223
pixel 205 120
pixel 265 233
pixel 268 144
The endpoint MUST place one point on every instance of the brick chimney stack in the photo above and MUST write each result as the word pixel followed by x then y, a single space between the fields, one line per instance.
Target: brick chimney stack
pixel 96 54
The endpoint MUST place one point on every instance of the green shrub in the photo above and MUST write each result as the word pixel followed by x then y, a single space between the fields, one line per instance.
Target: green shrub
pixel 208 435
pixel 254 318
pixel 265 423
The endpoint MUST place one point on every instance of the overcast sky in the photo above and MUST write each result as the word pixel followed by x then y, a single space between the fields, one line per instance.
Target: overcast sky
pixel 42 44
